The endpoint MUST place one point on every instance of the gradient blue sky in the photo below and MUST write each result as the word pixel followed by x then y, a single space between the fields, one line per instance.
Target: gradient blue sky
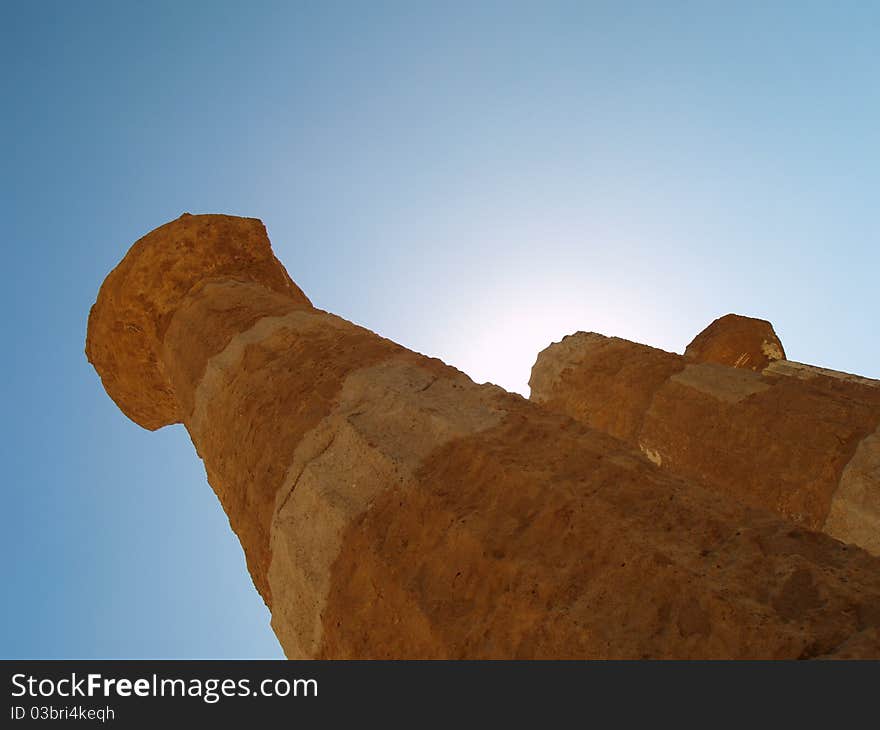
pixel 473 180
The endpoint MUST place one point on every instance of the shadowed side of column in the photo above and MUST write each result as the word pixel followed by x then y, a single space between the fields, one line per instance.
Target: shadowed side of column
pixel 390 507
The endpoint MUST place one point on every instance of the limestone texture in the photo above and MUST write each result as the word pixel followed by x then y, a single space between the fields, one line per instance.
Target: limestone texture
pixel 389 507
pixel 741 342
pixel 798 440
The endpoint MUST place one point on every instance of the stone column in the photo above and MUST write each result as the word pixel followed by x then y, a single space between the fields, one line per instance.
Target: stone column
pixel 732 413
pixel 391 508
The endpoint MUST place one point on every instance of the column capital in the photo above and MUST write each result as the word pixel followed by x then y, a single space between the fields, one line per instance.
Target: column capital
pixel 138 298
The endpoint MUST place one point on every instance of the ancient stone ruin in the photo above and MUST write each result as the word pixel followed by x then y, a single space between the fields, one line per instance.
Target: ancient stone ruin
pixel 734 415
pixel 389 507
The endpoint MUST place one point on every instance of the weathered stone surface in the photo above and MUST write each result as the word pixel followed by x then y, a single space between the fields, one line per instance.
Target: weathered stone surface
pixel 797 440
pixel 737 341
pixel 390 507
pixel 138 298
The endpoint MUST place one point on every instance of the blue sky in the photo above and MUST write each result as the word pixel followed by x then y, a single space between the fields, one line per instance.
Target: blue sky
pixel 473 180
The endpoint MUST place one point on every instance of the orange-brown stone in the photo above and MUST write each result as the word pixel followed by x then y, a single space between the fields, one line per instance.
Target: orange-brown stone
pixel 390 507
pixel 780 440
pixel 737 341
pixel 138 298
